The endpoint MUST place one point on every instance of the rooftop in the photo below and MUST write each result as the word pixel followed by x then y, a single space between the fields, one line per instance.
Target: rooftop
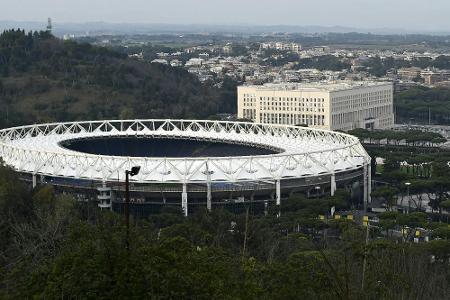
pixel 327 86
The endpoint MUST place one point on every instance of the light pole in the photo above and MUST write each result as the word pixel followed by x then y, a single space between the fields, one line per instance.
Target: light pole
pixel 407 195
pixel 133 172
pixel 317 188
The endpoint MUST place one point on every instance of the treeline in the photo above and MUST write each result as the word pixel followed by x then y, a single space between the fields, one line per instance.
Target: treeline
pixel 45 79
pixel 379 67
pixel 370 39
pixel 53 247
pixel 322 63
pixel 421 105
pixel 397 137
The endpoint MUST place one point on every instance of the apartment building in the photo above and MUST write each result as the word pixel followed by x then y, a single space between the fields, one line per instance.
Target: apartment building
pixel 433 76
pixel 341 105
pixel 294 47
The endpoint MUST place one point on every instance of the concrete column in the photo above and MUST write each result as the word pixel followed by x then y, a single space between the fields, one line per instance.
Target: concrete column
pixel 278 196
pixel 184 200
pixel 333 184
pixel 365 185
pixel 208 188
pixel 369 183
pixel 34 180
pixel 278 192
pixel 104 196
pixel 113 198
pixel 208 196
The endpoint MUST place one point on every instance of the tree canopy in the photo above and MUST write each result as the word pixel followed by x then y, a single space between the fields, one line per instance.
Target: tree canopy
pixel 43 79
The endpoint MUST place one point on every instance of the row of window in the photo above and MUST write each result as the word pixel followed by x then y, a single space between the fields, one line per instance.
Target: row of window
pixel 292 99
pixel 292 104
pixel 292 119
pixel 303 109
pixel 249 114
pixel 355 116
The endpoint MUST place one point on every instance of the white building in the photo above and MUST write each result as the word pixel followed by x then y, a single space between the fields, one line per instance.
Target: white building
pixel 294 47
pixel 176 63
pixel 341 105
pixel 160 61
pixel 194 62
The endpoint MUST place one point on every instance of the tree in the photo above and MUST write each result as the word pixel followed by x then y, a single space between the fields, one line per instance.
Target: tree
pixel 445 205
pixel 388 195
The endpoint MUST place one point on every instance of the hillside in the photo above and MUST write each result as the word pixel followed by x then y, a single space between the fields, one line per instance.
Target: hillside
pixel 45 79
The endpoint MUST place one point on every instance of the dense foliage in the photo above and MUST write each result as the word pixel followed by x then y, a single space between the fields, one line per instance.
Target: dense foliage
pixel 422 105
pixel 408 137
pixel 425 170
pixel 45 79
pixel 325 62
pixel 53 247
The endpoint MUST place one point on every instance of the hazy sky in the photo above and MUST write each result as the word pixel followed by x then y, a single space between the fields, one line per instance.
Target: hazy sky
pixel 405 14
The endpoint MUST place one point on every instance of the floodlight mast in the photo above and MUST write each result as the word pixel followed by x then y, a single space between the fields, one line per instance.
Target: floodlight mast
pixel 133 172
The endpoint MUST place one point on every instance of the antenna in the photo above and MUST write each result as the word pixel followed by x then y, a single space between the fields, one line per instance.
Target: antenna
pixel 49 25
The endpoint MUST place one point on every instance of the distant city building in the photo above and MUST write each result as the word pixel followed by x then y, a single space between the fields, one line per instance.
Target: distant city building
pixel 409 73
pixel 227 49
pixel 431 77
pixel 342 105
pixel 322 49
pixel 67 37
pixel 139 55
pixel 160 61
pixel 194 62
pixel 176 63
pixel 294 47
pixel 203 55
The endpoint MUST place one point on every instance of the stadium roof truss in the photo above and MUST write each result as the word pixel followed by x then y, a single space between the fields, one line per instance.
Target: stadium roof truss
pixel 303 152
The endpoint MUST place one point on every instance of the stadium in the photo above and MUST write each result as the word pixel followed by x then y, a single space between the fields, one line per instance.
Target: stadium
pixel 187 164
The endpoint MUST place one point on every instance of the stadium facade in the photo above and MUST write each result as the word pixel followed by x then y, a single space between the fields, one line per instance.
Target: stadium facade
pixel 187 163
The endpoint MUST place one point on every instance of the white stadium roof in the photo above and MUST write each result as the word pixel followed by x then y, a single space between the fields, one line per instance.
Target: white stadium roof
pixel 305 152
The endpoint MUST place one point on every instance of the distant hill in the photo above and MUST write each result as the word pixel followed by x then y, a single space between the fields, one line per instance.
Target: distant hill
pixel 101 28
pixel 45 79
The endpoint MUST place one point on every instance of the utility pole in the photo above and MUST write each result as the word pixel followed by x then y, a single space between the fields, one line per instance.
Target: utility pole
pixel 134 171
pixel 408 196
pixel 127 208
pixel 429 115
pixel 365 256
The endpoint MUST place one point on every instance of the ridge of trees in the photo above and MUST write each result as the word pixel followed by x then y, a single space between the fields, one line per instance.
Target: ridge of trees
pixel 394 137
pixel 43 79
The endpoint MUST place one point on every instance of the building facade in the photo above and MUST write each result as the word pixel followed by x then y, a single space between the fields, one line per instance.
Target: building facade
pixel 294 47
pixel 343 105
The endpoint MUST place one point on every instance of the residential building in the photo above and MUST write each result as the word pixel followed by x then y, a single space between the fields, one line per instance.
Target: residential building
pixel 433 76
pixel 410 74
pixel 294 47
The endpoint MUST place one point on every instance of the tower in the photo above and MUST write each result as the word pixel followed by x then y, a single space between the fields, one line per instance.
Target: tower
pixel 49 25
